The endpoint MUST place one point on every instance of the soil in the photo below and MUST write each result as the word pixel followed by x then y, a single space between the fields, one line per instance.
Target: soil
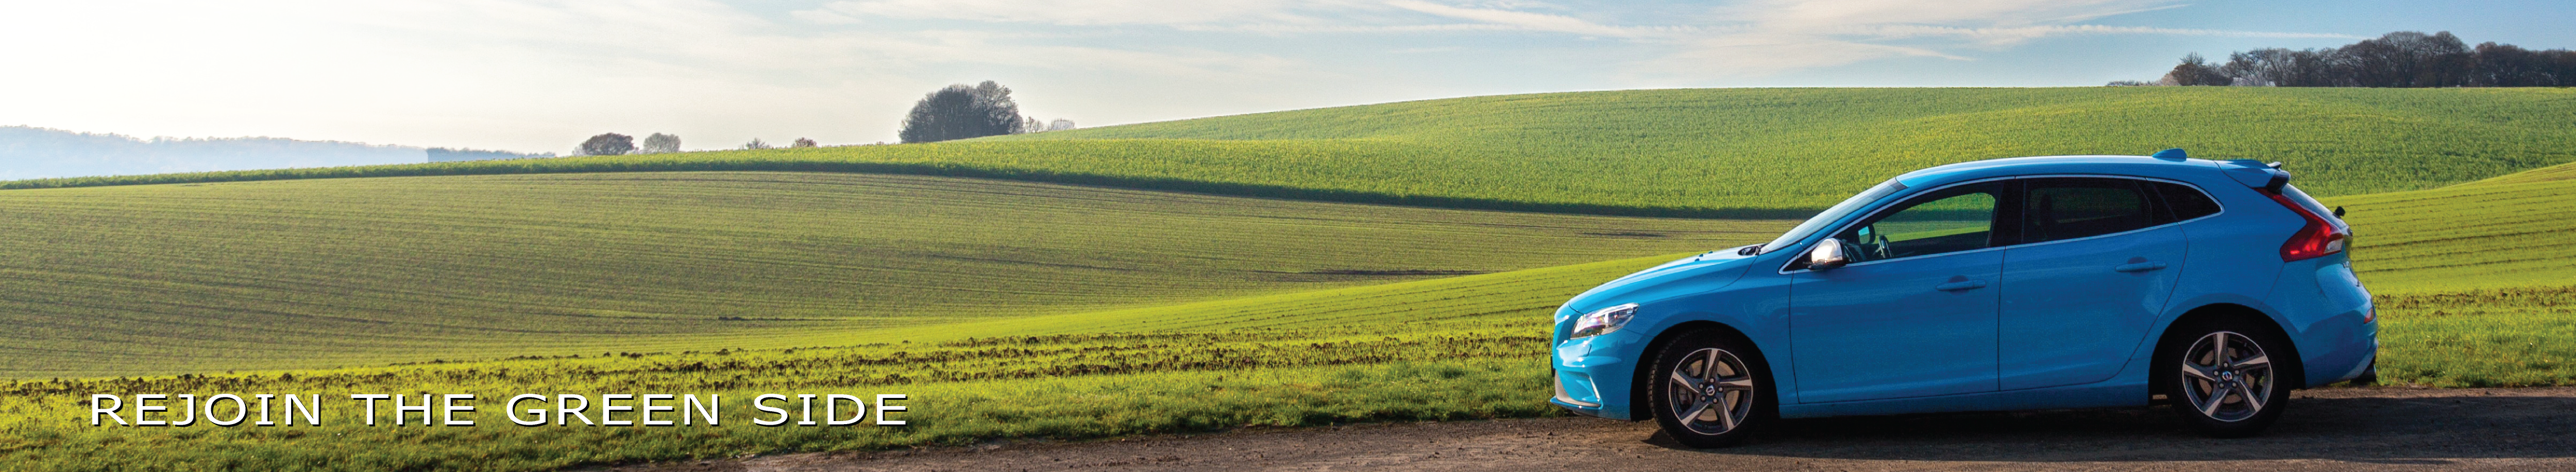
pixel 2376 428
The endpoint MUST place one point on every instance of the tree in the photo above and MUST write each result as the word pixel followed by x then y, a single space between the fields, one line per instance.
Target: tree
pixel 1059 124
pixel 607 144
pixel 801 143
pixel 960 112
pixel 756 144
pixel 660 143
pixel 2196 71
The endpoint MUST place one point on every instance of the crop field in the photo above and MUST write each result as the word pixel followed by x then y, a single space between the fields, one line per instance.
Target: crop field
pixel 171 279
pixel 2476 282
pixel 1705 152
pixel 1449 348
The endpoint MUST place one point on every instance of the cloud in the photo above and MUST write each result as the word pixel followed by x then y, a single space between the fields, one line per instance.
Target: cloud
pixel 1765 37
pixel 1087 12
pixel 1516 19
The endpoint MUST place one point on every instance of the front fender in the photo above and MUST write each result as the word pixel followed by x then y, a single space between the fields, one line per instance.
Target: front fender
pixel 1598 375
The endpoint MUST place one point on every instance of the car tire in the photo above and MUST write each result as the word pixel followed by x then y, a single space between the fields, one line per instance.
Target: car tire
pixel 2227 378
pixel 1709 388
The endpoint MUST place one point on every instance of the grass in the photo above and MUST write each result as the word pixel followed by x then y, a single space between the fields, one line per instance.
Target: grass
pixel 1446 348
pixel 170 279
pixel 1699 152
pixel 1452 348
pixel 2476 283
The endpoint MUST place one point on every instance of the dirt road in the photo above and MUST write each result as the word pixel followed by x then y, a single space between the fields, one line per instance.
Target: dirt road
pixel 2329 429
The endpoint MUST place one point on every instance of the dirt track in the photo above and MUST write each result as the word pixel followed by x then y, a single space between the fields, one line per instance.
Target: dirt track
pixel 2330 429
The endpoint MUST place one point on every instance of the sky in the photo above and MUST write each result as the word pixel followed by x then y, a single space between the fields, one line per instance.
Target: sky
pixel 540 76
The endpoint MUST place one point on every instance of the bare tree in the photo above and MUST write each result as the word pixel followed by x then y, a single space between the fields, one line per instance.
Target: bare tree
pixel 801 143
pixel 755 144
pixel 607 144
pixel 661 143
pixel 2196 71
pixel 1059 124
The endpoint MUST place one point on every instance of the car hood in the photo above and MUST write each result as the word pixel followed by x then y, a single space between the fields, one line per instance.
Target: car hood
pixel 1695 274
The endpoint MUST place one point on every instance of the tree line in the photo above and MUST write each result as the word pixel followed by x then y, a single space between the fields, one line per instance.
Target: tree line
pixel 2398 59
pixel 957 111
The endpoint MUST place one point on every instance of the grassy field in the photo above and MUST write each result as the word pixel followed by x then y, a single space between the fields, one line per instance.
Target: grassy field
pixel 172 279
pixel 1703 152
pixel 1031 310
pixel 2476 282
pixel 1445 348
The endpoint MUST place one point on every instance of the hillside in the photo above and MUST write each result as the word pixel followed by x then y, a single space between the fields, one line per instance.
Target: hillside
pixel 166 279
pixel 1445 348
pixel 1698 152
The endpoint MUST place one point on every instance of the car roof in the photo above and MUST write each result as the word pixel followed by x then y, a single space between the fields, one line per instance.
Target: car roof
pixel 2141 166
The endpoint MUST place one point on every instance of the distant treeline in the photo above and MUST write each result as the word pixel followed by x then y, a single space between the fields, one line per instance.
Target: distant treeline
pixel 440 154
pixel 2399 59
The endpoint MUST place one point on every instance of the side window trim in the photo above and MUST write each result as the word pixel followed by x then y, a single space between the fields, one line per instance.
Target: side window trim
pixel 2222 209
pixel 2008 196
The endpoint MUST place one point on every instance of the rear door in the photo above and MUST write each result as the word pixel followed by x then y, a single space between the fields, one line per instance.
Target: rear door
pixel 2097 261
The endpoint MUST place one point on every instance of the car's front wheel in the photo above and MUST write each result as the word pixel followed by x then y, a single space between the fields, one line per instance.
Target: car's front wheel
pixel 1710 389
pixel 2224 380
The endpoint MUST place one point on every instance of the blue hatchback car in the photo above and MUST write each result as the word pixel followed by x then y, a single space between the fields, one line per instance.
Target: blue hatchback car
pixel 2005 284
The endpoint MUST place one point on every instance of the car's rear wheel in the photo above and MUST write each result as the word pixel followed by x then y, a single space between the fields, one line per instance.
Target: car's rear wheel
pixel 1710 389
pixel 2224 380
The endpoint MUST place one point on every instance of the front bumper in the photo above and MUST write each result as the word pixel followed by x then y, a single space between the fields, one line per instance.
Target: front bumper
pixel 1592 374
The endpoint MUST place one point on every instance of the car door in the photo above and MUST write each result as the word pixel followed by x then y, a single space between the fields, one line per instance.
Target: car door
pixel 1913 314
pixel 2094 267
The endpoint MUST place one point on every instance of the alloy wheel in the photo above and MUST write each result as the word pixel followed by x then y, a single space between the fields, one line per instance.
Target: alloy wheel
pixel 2226 376
pixel 1712 391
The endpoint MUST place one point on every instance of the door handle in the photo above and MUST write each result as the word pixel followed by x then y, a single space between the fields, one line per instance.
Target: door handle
pixel 1960 285
pixel 2139 266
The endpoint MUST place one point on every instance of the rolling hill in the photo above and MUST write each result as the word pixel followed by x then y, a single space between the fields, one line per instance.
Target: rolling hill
pixel 167 279
pixel 1775 153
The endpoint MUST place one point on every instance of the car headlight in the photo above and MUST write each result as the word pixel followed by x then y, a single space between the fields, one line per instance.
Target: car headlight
pixel 1603 321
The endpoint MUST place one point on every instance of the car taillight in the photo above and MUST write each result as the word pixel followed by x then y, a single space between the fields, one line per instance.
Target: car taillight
pixel 2318 239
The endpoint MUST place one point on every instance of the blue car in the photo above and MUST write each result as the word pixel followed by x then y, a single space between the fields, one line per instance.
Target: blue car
pixel 2005 284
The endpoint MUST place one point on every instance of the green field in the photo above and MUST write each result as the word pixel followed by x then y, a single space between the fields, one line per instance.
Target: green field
pixel 1033 310
pixel 1695 152
pixel 2475 283
pixel 172 279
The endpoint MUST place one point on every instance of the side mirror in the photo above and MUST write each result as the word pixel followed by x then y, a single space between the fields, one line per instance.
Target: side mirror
pixel 1828 254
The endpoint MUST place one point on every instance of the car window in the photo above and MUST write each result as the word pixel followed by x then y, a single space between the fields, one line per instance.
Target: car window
pixel 1818 222
pixel 2184 201
pixel 1948 220
pixel 2075 207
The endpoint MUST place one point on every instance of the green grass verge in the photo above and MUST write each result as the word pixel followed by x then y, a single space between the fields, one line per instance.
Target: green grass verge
pixel 1704 152
pixel 169 279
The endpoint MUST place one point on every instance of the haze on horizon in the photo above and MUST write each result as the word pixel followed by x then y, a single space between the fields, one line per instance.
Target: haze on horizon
pixel 539 76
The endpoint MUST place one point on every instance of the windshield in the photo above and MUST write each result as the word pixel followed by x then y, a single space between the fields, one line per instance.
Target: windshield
pixel 1818 222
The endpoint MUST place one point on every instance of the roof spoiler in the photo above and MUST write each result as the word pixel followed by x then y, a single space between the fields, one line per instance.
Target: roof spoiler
pixel 2267 176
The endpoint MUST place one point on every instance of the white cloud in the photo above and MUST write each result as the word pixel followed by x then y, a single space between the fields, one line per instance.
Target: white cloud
pixel 1090 12
pixel 1516 19
pixel 1764 37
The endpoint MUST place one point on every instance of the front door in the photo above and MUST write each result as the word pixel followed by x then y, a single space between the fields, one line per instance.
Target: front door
pixel 1914 313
